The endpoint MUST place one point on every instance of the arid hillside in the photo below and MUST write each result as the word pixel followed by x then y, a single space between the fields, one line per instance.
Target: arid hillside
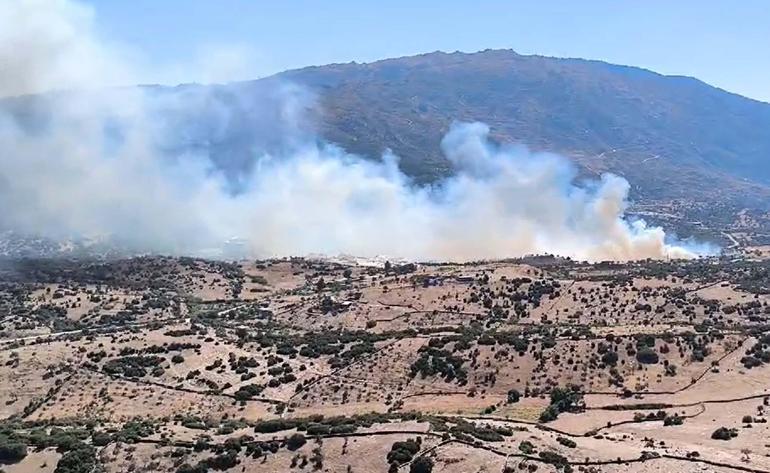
pixel 540 364
pixel 672 137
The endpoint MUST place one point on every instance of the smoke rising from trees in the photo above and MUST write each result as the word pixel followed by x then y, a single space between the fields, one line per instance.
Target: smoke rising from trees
pixel 137 164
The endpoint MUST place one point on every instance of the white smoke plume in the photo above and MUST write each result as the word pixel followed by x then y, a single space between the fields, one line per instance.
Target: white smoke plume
pixel 129 163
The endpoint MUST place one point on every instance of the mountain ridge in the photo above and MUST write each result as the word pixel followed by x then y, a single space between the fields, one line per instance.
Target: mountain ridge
pixel 506 50
pixel 671 136
pixel 652 98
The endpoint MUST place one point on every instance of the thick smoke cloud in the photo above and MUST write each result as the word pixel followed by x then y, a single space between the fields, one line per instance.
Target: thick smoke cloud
pixel 156 169
pixel 502 202
pixel 51 44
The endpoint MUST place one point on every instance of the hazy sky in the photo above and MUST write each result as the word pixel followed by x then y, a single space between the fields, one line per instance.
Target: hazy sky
pixel 723 43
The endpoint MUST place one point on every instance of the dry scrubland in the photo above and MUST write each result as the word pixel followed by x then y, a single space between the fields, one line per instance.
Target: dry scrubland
pixel 540 364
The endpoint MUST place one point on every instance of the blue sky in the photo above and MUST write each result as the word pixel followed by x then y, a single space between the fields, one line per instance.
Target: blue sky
pixel 723 43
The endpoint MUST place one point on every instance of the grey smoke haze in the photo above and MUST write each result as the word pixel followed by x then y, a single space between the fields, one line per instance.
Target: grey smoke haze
pixel 151 168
